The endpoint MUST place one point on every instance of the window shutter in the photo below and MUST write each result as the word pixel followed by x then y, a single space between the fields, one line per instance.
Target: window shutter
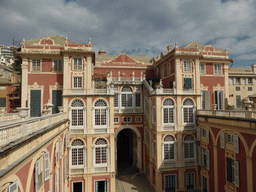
pixel 236 143
pixel 253 81
pixel 175 151
pixel 56 153
pixel 208 159
pixel 241 81
pixel 68 138
pixel 246 81
pixel 199 155
pixel 198 135
pixel 207 136
pixel 229 81
pixel 96 186
pixel 234 81
pixel 13 187
pixel 60 149
pixel 55 182
pixel 222 140
pixel 236 173
pixel 46 166
pixel 207 100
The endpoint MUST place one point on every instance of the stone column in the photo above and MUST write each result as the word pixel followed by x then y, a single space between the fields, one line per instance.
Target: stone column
pixel 178 78
pixel 24 90
pixel 226 91
pixel 249 174
pixel 89 72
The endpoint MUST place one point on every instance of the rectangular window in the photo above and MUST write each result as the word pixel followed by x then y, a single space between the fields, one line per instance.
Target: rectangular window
pixel 2 102
pixel 170 182
pixel 232 171
pixel 127 119
pixel 204 132
pixel 101 155
pixel 237 80
pixel 101 186
pixel 249 88
pixel 230 138
pixel 187 66
pixel 237 88
pixel 38 174
pixel 203 99
pixel 189 150
pixel 77 186
pixel 77 82
pixel 190 180
pixel 137 100
pixel 187 83
pixel 116 100
pixel 218 96
pixel 116 119
pixel 138 119
pixel 77 63
pixel 36 65
pixel 57 66
pixel 249 80
pixel 204 184
pixel 46 166
pixel 217 69
pixel 202 69
pixel 206 158
pixel 238 101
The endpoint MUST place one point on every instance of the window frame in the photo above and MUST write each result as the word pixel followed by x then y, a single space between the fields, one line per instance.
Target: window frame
pixel 169 144
pixel 128 119
pixel 217 69
pixel 190 173
pixel 76 65
pixel 36 68
pixel 100 153
pixel 175 178
pixel 77 157
pixel 76 83
pixel 188 107
pixel 187 66
pixel 102 112
pixel 202 68
pixel 188 143
pixel 76 113
pixel 125 100
pixel 57 65
pixel 106 187
pixel 167 109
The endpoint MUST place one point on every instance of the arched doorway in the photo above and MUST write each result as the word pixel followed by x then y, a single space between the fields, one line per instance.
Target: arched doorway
pixel 128 150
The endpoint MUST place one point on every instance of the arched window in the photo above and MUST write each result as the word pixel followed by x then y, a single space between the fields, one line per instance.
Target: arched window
pixel 126 97
pixel 100 113
pixel 168 111
pixel 188 111
pixel 189 147
pixel 77 113
pixel 77 152
pixel 169 148
pixel 101 151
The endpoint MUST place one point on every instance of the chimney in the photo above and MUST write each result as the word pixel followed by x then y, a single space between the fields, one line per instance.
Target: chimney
pixel 254 68
pixel 169 48
pixel 102 52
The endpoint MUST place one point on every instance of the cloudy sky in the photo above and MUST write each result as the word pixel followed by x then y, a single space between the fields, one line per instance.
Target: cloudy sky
pixel 138 27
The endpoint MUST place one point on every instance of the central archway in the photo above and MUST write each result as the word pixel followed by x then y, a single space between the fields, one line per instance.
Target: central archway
pixel 128 150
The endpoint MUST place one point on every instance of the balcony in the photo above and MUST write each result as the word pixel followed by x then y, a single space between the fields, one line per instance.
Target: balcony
pixel 127 110
pixel 228 113
pixel 88 91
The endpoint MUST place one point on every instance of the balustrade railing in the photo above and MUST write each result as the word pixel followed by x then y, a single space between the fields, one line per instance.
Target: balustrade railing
pixel 228 113
pixel 13 130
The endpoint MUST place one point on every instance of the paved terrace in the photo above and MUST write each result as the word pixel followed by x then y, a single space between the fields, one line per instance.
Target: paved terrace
pixel 21 137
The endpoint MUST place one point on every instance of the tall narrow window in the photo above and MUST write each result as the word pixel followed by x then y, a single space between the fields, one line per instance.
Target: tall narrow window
pixel 218 96
pixel 36 65
pixel 169 148
pixel 77 82
pixel 116 100
pixel 126 97
pixel 202 71
pixel 189 147
pixel 204 184
pixel 100 113
pixel 101 152
pixel 170 183
pixel 217 69
pixel 187 66
pixel 168 111
pixel 187 83
pixel 203 99
pixel 190 180
pixel 238 101
pixel 57 67
pixel 188 111
pixel 101 186
pixel 77 63
pixel 77 113
pixel 232 171
pixel 77 152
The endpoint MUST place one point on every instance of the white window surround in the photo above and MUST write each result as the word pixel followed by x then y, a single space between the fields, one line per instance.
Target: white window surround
pixel 168 112
pixel 166 185
pixel 202 68
pixel 187 66
pixel 116 119
pixel 57 65
pixel 127 119
pixel 77 114
pixel 168 144
pixel 101 153
pixel 130 99
pixel 189 148
pixel 36 65
pixel 77 63
pixel 100 114
pixel 14 187
pixel 77 82
pixel 77 154
pixel 217 69
pixel 188 112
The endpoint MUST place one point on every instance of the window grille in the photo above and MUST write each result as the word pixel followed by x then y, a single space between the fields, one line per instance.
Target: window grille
pixel 101 151
pixel 77 152
pixel 188 111
pixel 77 63
pixel 187 66
pixel 36 65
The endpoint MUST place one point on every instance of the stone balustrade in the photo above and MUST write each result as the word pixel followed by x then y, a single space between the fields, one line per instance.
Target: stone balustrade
pixel 13 130
pixel 228 113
